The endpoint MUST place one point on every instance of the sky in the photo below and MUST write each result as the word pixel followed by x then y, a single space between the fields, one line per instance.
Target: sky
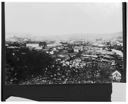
pixel 41 19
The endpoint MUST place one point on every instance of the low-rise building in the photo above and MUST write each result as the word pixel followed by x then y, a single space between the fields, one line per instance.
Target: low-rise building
pixel 32 45
pixel 116 76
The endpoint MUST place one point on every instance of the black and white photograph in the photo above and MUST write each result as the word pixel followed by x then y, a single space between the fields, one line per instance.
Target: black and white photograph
pixel 64 43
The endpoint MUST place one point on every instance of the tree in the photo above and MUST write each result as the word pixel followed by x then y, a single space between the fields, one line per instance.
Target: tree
pixel 27 63
pixel 43 44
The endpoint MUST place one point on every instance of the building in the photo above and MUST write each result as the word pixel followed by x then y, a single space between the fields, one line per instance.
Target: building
pixel 78 48
pixel 116 76
pixel 32 45
pixel 36 46
pixel 118 52
pixel 54 44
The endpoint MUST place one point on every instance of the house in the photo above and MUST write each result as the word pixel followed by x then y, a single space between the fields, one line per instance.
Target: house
pixel 78 48
pixel 51 52
pixel 54 44
pixel 32 45
pixel 77 60
pixel 13 47
pixel 118 52
pixel 100 45
pixel 107 57
pixel 116 76
pixel 113 63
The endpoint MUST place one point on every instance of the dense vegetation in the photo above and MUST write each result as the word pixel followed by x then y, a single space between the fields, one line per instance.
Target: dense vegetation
pixel 23 63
